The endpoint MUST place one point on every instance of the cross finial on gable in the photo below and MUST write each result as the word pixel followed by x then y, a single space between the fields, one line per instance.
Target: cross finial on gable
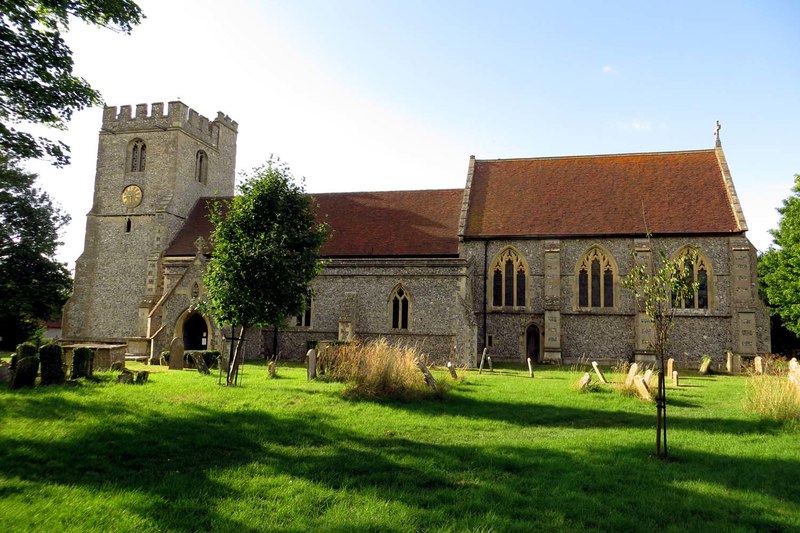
pixel 716 134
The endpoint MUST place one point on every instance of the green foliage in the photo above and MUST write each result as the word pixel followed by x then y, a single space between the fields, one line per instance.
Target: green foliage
pixel 52 360
pixel 36 80
pixel 266 247
pixel 33 285
pixel 779 267
pixel 82 363
pixel 655 287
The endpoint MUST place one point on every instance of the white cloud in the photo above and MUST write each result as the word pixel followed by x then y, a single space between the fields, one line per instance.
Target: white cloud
pixel 608 69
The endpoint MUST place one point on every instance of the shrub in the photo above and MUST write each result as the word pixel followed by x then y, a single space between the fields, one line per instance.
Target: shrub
pixel 773 396
pixel 378 369
pixel 82 363
pixel 52 359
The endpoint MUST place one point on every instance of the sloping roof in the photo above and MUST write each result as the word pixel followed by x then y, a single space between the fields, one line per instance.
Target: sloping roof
pixel 364 224
pixel 676 192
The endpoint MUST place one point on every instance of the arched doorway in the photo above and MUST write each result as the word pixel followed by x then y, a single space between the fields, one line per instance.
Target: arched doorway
pixel 195 333
pixel 532 343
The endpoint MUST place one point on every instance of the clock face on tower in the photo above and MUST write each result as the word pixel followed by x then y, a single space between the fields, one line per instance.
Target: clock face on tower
pixel 131 196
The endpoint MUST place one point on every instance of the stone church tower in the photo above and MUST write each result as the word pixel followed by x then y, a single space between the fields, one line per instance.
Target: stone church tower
pixel 151 169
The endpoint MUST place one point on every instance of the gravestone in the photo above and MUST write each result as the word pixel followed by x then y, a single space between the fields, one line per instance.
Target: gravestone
pixel 733 365
pixel 758 363
pixel 125 377
pixel 199 363
pixel 489 359
pixel 794 377
pixel 647 375
pixel 675 378
pixel 25 373
pixel 5 372
pixel 583 383
pixel 483 358
pixel 426 373
pixel 599 373
pixel 642 389
pixel 176 354
pixel 631 374
pixel 530 367
pixel 117 366
pixel 705 365
pixel 793 365
pixel 141 377
pixel 271 368
pixel 452 370
pixel 670 366
pixel 312 364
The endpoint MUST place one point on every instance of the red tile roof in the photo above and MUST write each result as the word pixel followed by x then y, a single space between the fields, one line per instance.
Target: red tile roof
pixel 364 224
pixel 679 192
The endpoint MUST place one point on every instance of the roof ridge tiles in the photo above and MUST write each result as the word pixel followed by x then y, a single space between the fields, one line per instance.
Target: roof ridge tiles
pixel 594 156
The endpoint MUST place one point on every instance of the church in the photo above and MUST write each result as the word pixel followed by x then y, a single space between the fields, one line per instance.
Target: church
pixel 527 260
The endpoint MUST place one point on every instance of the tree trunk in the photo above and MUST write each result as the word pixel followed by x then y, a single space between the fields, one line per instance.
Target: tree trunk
pixel 233 365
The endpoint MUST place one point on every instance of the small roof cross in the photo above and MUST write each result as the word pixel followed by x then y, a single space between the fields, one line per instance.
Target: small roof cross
pixel 716 134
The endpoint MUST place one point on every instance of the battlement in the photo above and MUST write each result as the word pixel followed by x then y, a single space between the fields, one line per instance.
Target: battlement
pixel 178 115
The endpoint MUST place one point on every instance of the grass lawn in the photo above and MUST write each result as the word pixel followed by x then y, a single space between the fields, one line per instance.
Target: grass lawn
pixel 502 452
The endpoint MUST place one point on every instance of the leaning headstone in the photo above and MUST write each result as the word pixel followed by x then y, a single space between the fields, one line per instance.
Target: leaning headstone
pixel 530 367
pixel 642 389
pixel 452 370
pixel 427 374
pixel 758 363
pixel 25 373
pixel 199 363
pixel 599 372
pixel 125 377
pixel 176 354
pixel 271 368
pixel 489 358
pixel 705 365
pixel 670 366
pixel 141 377
pixel 675 378
pixel 483 358
pixel 583 383
pixel 312 364
pixel 631 374
pixel 647 375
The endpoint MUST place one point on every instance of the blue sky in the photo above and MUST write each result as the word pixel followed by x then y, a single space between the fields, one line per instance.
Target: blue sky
pixel 377 95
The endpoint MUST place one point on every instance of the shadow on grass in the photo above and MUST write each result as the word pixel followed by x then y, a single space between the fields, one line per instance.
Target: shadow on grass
pixel 177 462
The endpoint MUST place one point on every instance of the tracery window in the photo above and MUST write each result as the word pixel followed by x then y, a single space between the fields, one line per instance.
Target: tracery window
pixel 138 156
pixel 304 320
pixel 597 273
pixel 201 167
pixel 694 270
pixel 400 308
pixel 509 280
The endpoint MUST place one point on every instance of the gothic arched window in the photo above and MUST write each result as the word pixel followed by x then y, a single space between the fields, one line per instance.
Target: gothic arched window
pixel 696 273
pixel 201 167
pixel 304 320
pixel 400 308
pixel 138 156
pixel 597 279
pixel 509 280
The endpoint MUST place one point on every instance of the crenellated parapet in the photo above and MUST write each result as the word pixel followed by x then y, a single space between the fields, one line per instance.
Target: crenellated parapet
pixel 177 115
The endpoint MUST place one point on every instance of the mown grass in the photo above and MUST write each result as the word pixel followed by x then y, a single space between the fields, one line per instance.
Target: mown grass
pixel 501 452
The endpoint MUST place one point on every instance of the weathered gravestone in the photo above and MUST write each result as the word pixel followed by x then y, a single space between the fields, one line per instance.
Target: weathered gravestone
pixel 647 375
pixel 82 363
pixel 705 366
pixel 733 365
pixel 489 359
pixel 126 376
pixel 176 354
pixel 670 366
pixel 452 370
pixel 312 363
pixel 599 373
pixel 583 383
pixel 675 378
pixel 530 367
pixel 631 374
pixel 199 363
pixel 758 364
pixel 793 365
pixel 5 372
pixel 25 373
pixel 141 377
pixel 52 360
pixel 483 358
pixel 117 366
pixel 642 389
pixel 426 373
pixel 271 368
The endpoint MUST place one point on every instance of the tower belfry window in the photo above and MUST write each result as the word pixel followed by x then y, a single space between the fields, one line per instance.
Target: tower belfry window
pixel 201 167
pixel 138 156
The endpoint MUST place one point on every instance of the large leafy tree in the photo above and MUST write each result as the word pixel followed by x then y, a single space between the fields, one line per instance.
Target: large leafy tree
pixel 33 285
pixel 779 267
pixel 266 243
pixel 36 80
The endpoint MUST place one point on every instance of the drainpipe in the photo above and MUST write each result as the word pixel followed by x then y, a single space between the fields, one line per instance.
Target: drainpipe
pixel 485 274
